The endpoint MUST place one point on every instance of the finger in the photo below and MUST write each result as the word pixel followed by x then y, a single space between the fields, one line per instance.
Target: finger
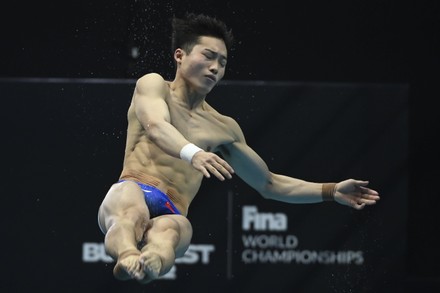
pixel 369 202
pixel 366 190
pixel 215 172
pixel 359 206
pixel 227 167
pixel 370 197
pixel 205 172
pixel 362 182
pixel 218 174
pixel 222 169
pixel 224 165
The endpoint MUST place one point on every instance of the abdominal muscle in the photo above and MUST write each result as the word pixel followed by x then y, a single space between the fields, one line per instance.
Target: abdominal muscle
pixel 176 178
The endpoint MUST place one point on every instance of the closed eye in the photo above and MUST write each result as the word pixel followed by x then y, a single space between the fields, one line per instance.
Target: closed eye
pixel 211 55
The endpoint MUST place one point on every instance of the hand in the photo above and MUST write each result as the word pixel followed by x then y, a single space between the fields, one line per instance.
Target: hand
pixel 355 194
pixel 209 163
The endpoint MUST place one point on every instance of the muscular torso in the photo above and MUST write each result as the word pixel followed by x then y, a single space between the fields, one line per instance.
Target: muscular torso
pixel 202 126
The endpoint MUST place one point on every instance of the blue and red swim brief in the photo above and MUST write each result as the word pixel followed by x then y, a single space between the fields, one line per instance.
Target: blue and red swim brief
pixel 158 202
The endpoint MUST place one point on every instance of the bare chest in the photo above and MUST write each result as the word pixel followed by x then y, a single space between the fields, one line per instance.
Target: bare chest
pixel 207 129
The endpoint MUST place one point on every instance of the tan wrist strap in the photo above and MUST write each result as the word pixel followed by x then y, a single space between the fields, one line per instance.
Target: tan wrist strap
pixel 328 191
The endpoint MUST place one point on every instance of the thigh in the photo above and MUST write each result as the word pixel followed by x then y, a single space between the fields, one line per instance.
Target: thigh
pixel 124 199
pixel 178 223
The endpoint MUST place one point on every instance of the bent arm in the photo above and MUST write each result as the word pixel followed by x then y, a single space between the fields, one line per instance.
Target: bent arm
pixel 153 113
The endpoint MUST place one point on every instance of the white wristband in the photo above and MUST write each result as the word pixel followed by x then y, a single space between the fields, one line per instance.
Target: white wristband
pixel 188 151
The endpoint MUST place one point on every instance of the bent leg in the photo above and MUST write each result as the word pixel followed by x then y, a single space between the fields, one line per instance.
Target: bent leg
pixel 124 217
pixel 168 238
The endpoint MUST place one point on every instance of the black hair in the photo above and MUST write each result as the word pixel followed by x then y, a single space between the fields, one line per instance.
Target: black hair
pixel 187 31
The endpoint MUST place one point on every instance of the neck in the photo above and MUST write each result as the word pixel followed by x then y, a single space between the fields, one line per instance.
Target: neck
pixel 192 98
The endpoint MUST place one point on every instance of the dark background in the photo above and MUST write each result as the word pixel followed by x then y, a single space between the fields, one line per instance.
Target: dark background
pixel 347 41
pixel 67 150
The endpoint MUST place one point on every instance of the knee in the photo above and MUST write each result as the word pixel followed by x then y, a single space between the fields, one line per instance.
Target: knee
pixel 166 228
pixel 162 224
pixel 129 220
pixel 178 229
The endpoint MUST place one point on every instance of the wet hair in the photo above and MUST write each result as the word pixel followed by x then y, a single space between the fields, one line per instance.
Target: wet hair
pixel 187 31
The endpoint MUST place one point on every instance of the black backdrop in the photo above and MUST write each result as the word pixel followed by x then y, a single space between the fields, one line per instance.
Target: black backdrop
pixel 68 151
pixel 319 41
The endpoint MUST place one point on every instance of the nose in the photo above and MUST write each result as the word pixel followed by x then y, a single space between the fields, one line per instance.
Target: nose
pixel 214 67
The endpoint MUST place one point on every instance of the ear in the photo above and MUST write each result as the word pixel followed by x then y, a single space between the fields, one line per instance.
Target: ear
pixel 178 55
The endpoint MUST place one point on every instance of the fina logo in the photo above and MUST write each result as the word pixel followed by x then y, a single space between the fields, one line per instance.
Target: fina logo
pixel 263 221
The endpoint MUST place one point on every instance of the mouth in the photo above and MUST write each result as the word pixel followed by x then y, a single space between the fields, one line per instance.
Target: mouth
pixel 211 77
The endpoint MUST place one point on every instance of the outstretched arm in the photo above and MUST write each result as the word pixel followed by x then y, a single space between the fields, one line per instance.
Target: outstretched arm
pixel 250 167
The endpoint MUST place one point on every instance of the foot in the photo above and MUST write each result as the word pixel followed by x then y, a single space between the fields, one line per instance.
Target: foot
pixel 128 266
pixel 151 266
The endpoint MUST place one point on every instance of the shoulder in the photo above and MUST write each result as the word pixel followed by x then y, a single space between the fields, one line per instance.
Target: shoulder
pixel 151 77
pixel 151 81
